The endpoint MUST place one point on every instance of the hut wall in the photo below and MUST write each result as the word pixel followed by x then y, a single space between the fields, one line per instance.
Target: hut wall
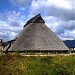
pixel 1 48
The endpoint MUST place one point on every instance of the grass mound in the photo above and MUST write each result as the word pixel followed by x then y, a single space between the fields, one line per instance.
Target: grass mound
pixel 22 65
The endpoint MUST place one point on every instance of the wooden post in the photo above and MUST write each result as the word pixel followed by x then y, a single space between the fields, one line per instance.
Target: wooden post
pixel 48 52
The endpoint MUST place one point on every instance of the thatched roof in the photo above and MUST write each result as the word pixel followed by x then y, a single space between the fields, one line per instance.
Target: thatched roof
pixel 35 19
pixel 7 44
pixel 37 36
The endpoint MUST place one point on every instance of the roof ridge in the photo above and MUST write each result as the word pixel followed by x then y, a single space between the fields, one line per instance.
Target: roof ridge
pixel 35 19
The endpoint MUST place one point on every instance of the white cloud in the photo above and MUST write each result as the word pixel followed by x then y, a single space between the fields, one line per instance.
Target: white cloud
pixel 43 3
pixel 21 3
pixel 11 24
pixel 70 25
pixel 47 3
pixel 57 8
pixel 60 3
pixel 12 35
pixel 64 29
pixel 68 35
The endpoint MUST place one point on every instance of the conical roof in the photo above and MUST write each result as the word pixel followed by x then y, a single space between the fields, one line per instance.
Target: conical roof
pixel 37 36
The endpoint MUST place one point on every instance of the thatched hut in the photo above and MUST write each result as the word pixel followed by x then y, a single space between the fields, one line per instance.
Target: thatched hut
pixel 36 36
pixel 8 44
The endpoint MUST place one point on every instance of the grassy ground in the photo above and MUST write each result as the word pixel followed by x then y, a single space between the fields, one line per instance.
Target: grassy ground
pixel 22 65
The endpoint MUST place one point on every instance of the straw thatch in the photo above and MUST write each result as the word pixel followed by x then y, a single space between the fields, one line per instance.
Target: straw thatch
pixel 36 19
pixel 37 36
pixel 8 44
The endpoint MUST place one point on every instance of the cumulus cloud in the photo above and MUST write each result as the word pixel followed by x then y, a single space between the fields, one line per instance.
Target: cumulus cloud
pixel 58 8
pixel 11 24
pixel 61 27
pixel 68 35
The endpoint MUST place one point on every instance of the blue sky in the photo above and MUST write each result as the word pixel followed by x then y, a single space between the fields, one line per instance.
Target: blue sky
pixel 59 16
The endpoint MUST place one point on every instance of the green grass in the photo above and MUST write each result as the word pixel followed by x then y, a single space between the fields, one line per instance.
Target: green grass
pixel 52 65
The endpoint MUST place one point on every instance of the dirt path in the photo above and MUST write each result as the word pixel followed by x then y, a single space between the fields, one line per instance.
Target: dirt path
pixel 48 55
